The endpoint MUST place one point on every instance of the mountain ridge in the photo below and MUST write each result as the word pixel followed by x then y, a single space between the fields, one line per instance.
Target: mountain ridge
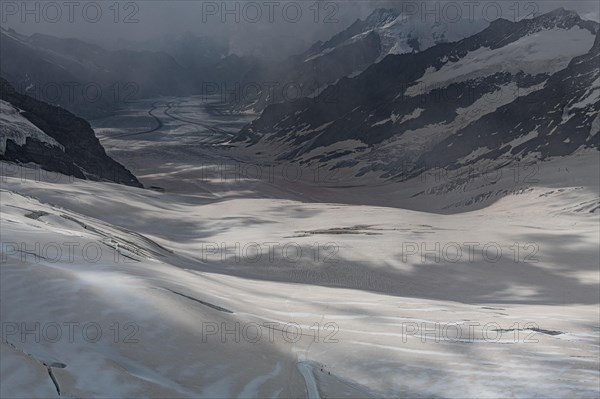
pixel 73 149
pixel 392 107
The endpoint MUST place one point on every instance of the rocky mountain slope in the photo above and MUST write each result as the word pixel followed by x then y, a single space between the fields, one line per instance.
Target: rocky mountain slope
pixel 53 138
pixel 496 83
pixel 557 120
pixel 348 53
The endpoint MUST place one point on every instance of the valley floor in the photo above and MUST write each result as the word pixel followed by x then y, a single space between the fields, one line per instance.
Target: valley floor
pixel 216 284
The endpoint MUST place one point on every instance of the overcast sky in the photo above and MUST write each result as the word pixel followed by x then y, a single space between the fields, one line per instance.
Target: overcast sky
pixel 245 24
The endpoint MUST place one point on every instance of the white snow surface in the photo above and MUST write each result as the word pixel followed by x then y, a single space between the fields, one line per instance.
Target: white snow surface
pixel 377 319
pixel 547 51
pixel 15 127
pixel 396 34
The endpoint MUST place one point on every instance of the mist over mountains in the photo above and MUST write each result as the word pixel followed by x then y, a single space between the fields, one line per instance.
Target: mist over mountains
pixel 385 95
pixel 377 199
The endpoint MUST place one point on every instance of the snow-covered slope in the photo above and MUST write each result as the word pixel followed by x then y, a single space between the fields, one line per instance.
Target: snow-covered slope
pixel 13 126
pixel 402 294
pixel 559 119
pixel 377 319
pixel 544 52
pixel 400 33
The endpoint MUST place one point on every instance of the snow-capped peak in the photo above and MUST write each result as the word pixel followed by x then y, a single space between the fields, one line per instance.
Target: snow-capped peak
pixel 381 17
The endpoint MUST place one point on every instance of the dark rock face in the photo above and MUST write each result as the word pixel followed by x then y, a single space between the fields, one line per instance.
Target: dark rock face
pixel 83 155
pixel 361 108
